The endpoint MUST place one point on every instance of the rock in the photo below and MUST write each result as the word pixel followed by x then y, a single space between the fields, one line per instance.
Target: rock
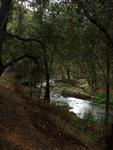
pixel 76 95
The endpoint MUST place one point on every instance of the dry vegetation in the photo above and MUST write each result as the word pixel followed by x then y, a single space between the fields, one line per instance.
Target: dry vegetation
pixel 27 124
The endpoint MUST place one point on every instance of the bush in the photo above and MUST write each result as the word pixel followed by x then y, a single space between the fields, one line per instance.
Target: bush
pixel 89 117
pixel 100 98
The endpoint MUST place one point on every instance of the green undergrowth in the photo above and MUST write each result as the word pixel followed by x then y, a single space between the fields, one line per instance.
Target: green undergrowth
pixel 100 98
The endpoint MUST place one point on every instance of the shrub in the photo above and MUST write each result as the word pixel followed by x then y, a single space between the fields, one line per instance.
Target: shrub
pixel 89 117
pixel 100 98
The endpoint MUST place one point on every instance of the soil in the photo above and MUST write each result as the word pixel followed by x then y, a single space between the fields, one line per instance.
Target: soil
pixel 25 126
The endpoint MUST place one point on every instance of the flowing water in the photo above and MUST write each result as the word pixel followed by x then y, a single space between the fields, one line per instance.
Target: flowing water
pixel 79 106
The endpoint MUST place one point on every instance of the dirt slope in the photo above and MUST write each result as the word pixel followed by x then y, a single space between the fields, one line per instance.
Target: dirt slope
pixel 26 125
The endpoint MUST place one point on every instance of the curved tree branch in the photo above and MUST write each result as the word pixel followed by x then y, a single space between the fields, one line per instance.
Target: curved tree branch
pixel 25 39
pixel 47 74
pixel 93 20
pixel 15 60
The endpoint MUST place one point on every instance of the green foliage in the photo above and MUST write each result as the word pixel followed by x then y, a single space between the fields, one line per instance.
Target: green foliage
pixel 89 117
pixel 67 90
pixel 75 48
pixel 100 98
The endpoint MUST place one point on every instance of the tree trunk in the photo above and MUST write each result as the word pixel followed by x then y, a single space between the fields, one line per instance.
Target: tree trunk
pixel 30 89
pixel 47 75
pixel 68 74
pixel 47 89
pixel 40 91
pixel 109 140
pixel 62 73
pixel 4 13
pixel 107 87
pixel 1 69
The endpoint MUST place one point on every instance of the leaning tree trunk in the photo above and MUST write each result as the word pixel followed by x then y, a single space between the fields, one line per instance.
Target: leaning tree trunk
pixel 4 13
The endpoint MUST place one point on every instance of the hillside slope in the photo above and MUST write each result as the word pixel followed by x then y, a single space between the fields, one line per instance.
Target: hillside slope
pixel 27 124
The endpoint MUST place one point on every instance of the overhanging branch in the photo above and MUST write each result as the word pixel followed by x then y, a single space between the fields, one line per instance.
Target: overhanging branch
pixel 15 60
pixel 93 20
pixel 25 39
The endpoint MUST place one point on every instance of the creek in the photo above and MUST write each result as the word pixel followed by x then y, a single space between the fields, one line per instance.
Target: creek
pixel 79 106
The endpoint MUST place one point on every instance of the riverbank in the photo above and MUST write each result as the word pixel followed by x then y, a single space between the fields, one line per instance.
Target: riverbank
pixel 68 93
pixel 31 124
pixel 75 89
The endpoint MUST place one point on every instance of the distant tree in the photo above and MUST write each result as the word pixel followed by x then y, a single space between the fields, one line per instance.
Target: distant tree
pixel 99 13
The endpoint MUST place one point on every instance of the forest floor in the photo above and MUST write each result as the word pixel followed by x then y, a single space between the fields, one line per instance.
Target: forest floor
pixel 31 124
